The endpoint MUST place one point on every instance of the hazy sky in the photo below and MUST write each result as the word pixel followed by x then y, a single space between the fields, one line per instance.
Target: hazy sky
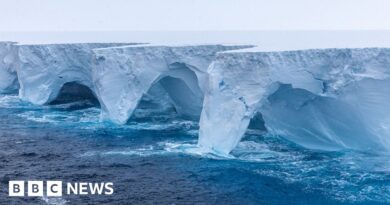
pixel 110 15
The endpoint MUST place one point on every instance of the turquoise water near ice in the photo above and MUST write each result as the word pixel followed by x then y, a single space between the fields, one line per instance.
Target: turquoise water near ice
pixel 154 160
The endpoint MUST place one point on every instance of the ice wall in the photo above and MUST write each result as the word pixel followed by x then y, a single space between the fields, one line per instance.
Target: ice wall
pixel 124 74
pixel 44 68
pixel 322 99
pixel 8 63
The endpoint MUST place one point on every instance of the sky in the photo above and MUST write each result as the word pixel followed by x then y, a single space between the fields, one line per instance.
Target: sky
pixel 193 15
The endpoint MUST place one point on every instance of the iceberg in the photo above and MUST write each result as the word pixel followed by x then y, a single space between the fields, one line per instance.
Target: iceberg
pixel 45 68
pixel 123 75
pixel 326 99
pixel 8 59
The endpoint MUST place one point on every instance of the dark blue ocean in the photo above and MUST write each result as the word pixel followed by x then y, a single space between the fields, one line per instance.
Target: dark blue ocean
pixel 153 160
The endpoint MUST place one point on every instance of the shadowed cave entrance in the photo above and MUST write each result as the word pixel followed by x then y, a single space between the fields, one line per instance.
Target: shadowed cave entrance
pixel 256 129
pixel 76 95
pixel 257 123
pixel 176 93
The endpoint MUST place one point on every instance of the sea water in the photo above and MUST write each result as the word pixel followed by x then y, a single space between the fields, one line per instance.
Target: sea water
pixel 153 159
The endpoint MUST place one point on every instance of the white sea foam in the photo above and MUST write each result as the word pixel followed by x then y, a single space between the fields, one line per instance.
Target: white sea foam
pixel 54 200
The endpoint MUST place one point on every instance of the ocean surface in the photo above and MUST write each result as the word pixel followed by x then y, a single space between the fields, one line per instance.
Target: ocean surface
pixel 153 160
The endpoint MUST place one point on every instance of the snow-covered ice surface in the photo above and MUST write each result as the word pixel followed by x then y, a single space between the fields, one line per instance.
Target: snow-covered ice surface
pixel 124 74
pixel 44 68
pixel 8 60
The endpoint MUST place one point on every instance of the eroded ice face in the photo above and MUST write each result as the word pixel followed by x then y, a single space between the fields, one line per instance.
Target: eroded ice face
pixel 322 99
pixel 321 109
pixel 8 60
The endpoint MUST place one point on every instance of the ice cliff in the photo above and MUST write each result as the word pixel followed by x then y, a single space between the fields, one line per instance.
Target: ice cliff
pixel 123 75
pixel 8 63
pixel 325 99
pixel 44 68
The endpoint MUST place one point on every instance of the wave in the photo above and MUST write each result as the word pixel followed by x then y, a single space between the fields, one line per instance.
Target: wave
pixel 54 200
pixel 337 174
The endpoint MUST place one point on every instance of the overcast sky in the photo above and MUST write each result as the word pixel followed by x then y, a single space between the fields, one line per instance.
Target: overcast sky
pixel 113 15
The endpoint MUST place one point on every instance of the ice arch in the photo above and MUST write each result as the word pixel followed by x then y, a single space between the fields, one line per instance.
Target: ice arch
pixel 242 83
pixel 124 74
pixel 44 68
pixel 182 86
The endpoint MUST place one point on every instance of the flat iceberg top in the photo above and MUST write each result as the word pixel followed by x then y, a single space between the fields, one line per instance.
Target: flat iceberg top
pixel 7 42
pixel 259 49
pixel 90 44
pixel 176 46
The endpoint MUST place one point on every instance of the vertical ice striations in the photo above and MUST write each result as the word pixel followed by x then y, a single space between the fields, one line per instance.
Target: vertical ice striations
pixel 8 63
pixel 124 74
pixel 45 68
pixel 322 99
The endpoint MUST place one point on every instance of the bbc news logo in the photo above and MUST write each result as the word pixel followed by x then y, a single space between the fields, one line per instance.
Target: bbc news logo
pixel 55 188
